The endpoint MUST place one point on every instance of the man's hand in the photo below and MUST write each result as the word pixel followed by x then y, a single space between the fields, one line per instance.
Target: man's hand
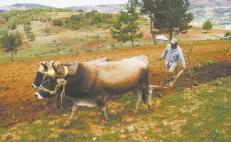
pixel 184 67
pixel 159 59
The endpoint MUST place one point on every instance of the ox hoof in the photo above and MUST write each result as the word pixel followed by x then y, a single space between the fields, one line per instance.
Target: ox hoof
pixel 150 109
pixel 104 122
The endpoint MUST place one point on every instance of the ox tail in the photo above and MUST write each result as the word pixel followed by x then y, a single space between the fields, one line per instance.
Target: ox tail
pixel 145 86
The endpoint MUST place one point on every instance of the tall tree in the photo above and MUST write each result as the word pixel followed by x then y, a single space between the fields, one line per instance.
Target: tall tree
pixel 126 28
pixel 167 16
pixel 10 41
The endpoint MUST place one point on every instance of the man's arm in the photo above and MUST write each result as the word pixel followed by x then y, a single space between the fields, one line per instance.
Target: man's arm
pixel 163 55
pixel 181 56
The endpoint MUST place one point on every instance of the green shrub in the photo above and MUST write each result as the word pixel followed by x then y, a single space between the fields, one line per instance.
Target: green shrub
pixel 30 36
pixel 209 62
pixel 27 28
pixel 88 19
pixel 46 30
pixel 12 26
pixel 208 25
pixel 227 34
pixel 57 22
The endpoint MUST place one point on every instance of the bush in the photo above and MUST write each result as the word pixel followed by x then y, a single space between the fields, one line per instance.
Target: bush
pixel 30 36
pixel 209 62
pixel 12 26
pixel 46 30
pixel 76 27
pixel 227 34
pixel 208 25
pixel 57 22
pixel 27 28
pixel 88 19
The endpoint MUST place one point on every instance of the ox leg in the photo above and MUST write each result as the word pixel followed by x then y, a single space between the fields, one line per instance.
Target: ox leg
pixel 74 108
pixel 58 104
pixel 147 96
pixel 103 109
pixel 149 100
pixel 138 92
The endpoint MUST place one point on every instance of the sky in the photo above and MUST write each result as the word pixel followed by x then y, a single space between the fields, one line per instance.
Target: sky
pixel 62 3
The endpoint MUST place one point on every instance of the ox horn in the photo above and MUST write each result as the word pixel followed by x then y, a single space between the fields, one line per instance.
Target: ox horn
pixel 59 69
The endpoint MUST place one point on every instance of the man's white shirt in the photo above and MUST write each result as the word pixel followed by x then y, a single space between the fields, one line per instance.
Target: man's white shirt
pixel 173 55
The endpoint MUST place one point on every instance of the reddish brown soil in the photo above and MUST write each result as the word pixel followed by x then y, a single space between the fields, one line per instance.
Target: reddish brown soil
pixel 204 74
pixel 93 43
pixel 18 104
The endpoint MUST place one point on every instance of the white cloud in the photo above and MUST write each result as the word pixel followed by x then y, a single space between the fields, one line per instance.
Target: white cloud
pixel 63 3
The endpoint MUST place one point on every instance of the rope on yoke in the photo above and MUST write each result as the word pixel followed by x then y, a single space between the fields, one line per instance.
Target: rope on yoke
pixel 62 95
pixel 61 83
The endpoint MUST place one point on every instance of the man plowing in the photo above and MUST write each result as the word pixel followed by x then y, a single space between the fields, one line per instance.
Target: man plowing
pixel 172 53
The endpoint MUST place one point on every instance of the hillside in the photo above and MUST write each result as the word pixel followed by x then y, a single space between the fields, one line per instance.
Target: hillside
pixel 23 6
pixel 210 3
pixel 218 11
pixel 101 8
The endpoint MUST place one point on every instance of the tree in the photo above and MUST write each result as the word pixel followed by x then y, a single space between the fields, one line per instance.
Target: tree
pixel 167 16
pixel 207 25
pixel 126 28
pixel 10 41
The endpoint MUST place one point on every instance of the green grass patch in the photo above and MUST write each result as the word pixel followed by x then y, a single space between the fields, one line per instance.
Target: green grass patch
pixel 33 52
pixel 202 114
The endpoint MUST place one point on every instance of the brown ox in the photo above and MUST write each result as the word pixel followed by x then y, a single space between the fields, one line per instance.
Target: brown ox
pixel 92 84
pixel 43 68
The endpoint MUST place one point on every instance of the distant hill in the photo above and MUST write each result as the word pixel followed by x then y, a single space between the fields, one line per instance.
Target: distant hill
pixel 218 11
pixel 23 6
pixel 113 8
pixel 210 3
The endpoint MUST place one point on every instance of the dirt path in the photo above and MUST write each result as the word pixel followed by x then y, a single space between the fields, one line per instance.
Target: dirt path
pixel 18 104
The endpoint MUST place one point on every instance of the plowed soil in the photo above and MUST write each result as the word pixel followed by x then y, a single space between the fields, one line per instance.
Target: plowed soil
pixel 209 59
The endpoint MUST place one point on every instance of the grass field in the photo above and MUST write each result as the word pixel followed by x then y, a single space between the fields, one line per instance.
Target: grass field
pixel 202 113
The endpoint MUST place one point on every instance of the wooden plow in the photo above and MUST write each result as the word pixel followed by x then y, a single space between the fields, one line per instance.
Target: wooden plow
pixel 165 87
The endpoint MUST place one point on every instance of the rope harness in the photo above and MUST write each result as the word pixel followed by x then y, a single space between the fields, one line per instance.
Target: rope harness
pixel 54 92
pixel 61 82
